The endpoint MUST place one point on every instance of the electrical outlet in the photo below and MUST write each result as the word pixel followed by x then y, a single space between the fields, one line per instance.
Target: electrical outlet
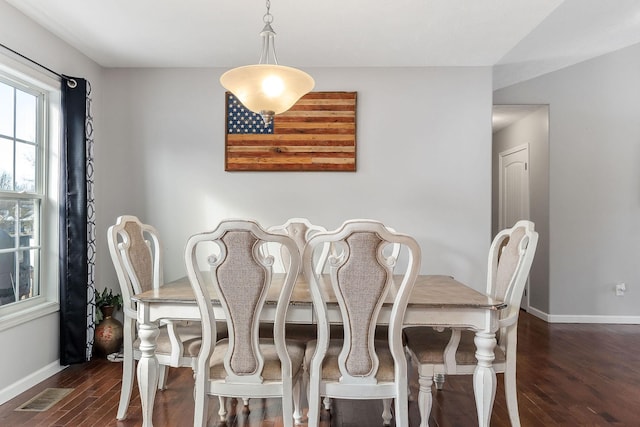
pixel 620 289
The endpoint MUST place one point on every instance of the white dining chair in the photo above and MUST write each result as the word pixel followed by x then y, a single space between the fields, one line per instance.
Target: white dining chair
pixel 137 258
pixel 361 274
pixel 300 230
pixel 245 364
pixel 452 352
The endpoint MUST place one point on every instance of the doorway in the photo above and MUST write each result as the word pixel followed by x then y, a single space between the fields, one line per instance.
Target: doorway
pixel 520 189
pixel 513 194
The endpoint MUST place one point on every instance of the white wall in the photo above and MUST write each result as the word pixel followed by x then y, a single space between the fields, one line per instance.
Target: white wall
pixel 30 351
pixel 594 182
pixel 423 158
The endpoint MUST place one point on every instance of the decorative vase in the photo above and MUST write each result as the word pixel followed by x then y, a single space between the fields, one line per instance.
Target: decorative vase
pixel 108 334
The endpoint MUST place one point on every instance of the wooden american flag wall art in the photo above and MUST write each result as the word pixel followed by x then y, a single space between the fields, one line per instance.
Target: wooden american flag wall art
pixel 317 134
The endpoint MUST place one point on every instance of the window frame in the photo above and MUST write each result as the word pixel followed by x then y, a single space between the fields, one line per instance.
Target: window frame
pixel 25 77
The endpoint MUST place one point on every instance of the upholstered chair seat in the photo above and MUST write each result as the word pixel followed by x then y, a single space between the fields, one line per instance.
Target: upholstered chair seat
pixel 272 370
pixel 331 368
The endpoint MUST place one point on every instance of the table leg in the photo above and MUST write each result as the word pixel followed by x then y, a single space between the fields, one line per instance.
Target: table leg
pixel 484 377
pixel 148 370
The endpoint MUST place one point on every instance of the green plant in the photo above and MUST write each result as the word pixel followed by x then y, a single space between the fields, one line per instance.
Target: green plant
pixel 104 299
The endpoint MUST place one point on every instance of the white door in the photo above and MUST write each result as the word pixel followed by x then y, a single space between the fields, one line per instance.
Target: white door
pixel 513 197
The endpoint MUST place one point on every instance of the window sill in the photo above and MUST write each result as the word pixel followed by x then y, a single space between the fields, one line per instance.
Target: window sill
pixel 11 320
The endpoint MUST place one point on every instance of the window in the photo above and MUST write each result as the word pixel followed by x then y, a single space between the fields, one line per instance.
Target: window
pixel 28 199
pixel 21 192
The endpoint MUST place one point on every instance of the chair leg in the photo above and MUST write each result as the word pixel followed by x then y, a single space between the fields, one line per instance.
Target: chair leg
pixel 327 403
pixel 425 399
pixel 128 371
pixel 511 393
pixel 222 411
pixel 439 380
pixel 386 411
pixel 163 375
pixel 402 411
pixel 313 397
pixel 201 406
pixel 297 396
pixel 303 387
pixel 287 410
pixel 407 355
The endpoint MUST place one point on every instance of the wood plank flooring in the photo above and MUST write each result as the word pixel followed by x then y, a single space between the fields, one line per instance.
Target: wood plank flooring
pixel 568 375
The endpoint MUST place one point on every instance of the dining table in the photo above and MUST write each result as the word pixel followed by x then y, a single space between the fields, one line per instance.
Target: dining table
pixel 436 300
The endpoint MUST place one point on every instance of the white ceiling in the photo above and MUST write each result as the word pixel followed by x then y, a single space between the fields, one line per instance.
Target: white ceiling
pixel 521 38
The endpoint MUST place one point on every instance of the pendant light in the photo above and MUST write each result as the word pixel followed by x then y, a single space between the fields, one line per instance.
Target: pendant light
pixel 267 88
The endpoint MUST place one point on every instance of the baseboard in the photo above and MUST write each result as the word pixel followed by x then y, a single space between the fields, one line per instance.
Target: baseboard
pixel 539 314
pixel 619 320
pixel 29 381
pixel 572 318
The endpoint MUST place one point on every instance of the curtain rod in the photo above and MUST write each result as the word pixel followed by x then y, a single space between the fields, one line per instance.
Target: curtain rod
pixel 70 82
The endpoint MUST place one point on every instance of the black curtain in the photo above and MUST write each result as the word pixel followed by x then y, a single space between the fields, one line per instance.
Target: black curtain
pixel 73 223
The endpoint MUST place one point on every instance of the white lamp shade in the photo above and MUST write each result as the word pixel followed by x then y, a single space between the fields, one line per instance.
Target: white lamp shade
pixel 267 87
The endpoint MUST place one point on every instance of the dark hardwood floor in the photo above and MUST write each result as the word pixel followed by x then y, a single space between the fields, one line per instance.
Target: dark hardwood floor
pixel 568 375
